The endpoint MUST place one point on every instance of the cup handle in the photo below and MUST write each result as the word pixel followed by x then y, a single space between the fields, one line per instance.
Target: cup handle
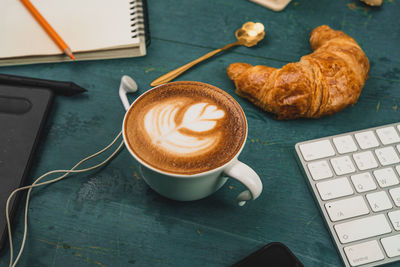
pixel 248 177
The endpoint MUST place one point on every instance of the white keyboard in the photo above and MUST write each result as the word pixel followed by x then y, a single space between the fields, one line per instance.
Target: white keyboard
pixel 354 178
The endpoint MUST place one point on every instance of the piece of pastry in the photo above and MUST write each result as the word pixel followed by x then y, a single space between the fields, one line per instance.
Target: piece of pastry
pixel 321 83
pixel 373 2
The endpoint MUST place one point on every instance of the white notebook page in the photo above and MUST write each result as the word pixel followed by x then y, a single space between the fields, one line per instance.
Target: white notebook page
pixel 84 25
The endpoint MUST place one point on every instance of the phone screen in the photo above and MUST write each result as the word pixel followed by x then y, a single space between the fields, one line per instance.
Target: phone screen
pixel 273 254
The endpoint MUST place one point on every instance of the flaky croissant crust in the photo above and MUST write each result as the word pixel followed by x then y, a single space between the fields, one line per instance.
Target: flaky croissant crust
pixel 321 83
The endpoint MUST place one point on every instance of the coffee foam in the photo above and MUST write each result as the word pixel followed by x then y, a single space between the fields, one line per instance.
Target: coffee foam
pixel 165 129
pixel 185 127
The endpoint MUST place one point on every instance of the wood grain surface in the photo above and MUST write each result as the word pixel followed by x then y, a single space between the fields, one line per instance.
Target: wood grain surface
pixel 110 217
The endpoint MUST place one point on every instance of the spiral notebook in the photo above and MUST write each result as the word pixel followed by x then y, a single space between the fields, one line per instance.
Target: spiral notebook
pixel 94 29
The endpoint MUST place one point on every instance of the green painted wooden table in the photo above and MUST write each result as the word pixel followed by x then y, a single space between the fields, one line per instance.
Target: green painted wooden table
pixel 110 217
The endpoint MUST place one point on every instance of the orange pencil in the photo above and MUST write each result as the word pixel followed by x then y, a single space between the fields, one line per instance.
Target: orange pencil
pixel 46 26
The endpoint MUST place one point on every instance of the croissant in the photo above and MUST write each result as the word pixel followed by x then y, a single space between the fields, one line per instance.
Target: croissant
pixel 321 83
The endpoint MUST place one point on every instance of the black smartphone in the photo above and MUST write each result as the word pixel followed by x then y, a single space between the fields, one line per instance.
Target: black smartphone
pixel 274 254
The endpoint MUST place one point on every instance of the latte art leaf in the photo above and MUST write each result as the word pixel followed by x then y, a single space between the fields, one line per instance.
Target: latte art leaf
pixel 161 125
pixel 201 117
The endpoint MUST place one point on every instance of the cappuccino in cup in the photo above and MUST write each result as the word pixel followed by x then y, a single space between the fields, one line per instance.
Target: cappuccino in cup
pixel 185 128
pixel 187 137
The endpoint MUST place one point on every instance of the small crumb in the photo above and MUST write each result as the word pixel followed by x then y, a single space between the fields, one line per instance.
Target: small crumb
pixel 252 140
pixel 257 140
pixel 378 105
pixel 351 6
pixel 148 70
pixel 136 175
pixel 198 231
pixel 264 143
pixel 296 3
pixel 394 107
pixel 230 187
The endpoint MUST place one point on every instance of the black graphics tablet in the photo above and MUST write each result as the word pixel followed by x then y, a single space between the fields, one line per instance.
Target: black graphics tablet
pixel 23 112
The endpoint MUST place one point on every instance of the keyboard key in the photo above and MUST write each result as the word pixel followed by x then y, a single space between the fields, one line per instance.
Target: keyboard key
pixel 342 165
pixel 386 177
pixel 365 160
pixel 363 182
pixel 319 170
pixel 387 155
pixel 391 245
pixel 362 228
pixel 344 144
pixel 346 208
pixel 395 194
pixel 317 150
pixel 388 135
pixel 379 201
pixel 364 253
pixel 394 217
pixel 366 139
pixel 335 188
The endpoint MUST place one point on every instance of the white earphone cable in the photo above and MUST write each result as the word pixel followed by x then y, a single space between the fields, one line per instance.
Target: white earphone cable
pixel 36 184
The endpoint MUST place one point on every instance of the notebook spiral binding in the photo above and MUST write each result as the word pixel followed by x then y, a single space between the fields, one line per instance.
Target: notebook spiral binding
pixel 139 20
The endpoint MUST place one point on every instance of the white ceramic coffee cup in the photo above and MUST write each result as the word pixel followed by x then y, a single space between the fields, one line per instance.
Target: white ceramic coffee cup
pixel 186 187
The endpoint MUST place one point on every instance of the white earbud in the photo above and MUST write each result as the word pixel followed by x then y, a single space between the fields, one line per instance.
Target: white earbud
pixel 128 85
